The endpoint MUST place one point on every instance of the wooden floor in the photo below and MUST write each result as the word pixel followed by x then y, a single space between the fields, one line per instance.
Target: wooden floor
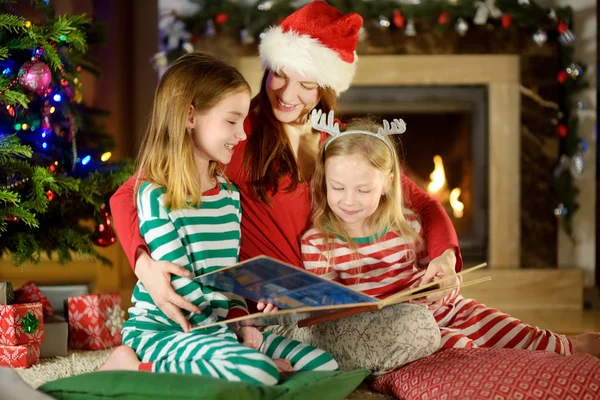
pixel 567 322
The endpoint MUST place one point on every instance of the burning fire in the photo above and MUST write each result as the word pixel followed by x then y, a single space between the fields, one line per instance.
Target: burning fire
pixel 438 176
pixel 438 182
pixel 457 206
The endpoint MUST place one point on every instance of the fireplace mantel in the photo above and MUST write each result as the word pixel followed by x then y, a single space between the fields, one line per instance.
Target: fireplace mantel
pixel 501 75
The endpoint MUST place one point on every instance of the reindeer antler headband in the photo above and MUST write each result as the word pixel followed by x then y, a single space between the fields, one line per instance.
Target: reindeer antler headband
pixel 326 123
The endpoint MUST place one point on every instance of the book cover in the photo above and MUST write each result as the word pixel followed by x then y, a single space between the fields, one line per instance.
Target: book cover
pixel 302 297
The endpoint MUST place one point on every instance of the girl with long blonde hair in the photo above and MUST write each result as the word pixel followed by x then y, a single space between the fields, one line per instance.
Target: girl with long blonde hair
pixel 365 237
pixel 189 214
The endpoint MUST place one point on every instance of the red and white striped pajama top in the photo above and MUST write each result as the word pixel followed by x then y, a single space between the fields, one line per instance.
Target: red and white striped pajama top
pixel 389 263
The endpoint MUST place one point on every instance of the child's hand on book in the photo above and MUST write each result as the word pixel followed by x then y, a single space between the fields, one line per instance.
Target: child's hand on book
pixel 251 337
pixel 440 267
pixel 266 307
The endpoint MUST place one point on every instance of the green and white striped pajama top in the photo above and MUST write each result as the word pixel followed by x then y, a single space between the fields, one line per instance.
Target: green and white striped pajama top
pixel 203 239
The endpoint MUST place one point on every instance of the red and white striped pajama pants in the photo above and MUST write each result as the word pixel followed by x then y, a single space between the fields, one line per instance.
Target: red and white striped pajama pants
pixel 465 323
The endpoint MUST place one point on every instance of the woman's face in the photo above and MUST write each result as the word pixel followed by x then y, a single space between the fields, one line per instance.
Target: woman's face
pixel 292 96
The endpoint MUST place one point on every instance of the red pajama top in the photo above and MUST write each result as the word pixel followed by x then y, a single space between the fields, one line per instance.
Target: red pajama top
pixel 274 230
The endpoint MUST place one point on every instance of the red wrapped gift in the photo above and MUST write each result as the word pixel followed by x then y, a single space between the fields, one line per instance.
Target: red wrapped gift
pixel 21 324
pixel 95 321
pixel 30 293
pixel 23 356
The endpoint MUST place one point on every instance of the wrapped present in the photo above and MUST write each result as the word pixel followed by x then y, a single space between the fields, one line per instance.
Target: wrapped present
pixel 95 321
pixel 6 293
pixel 30 293
pixel 21 324
pixel 23 356
pixel 56 338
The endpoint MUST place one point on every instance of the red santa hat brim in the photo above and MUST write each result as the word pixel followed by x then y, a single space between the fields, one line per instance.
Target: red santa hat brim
pixel 307 56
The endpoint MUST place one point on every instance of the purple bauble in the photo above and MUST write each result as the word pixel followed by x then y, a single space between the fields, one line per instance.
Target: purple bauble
pixel 35 76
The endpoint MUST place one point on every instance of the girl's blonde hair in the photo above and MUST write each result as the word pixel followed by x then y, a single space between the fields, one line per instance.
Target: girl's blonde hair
pixel 390 215
pixel 166 156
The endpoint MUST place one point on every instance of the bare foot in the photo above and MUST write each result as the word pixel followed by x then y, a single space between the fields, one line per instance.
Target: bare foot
pixel 283 366
pixel 586 343
pixel 122 358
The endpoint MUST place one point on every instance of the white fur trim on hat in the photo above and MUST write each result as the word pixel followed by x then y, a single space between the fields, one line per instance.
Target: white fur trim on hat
pixel 307 56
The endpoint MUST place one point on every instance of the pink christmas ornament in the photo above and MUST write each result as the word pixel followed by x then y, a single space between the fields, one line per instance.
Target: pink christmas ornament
pixel 35 76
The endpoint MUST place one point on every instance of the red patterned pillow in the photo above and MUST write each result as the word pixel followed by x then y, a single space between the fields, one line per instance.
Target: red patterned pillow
pixel 495 374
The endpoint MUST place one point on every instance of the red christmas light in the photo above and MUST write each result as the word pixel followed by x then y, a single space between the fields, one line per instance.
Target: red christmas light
pixel 562 130
pixel 398 19
pixel 221 18
pixel 444 18
pixel 562 76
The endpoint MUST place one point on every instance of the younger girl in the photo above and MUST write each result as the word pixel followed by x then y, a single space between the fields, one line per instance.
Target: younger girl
pixel 189 214
pixel 363 237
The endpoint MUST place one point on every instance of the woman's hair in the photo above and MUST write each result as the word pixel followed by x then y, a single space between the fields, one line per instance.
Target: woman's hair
pixel 389 215
pixel 166 156
pixel 269 156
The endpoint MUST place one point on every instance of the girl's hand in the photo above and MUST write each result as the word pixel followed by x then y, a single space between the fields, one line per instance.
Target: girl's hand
pixel 283 365
pixel 251 337
pixel 440 267
pixel 156 277
pixel 266 307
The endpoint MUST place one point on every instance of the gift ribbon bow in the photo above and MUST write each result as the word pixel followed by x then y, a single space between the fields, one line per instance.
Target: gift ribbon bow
pixel 30 323
pixel 115 318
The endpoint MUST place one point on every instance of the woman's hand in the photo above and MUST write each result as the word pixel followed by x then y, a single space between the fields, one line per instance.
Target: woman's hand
pixel 251 337
pixel 156 277
pixel 440 267
pixel 266 307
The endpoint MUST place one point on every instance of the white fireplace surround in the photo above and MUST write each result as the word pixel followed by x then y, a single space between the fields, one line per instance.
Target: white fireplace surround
pixel 501 75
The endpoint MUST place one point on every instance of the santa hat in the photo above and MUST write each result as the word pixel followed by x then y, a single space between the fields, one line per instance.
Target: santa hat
pixel 318 41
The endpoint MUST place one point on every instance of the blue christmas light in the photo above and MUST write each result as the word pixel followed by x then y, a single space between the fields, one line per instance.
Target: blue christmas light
pixel 6 71
pixel 44 145
pixel 57 97
pixel 584 144
pixel 43 134
pixel 86 160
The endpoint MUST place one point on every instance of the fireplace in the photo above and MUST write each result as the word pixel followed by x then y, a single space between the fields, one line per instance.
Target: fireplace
pixel 496 75
pixel 444 149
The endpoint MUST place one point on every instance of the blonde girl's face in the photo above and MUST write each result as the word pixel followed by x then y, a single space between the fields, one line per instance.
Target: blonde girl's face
pixel 216 132
pixel 354 189
pixel 291 95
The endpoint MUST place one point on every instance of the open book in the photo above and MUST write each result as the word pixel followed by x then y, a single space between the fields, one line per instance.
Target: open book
pixel 302 297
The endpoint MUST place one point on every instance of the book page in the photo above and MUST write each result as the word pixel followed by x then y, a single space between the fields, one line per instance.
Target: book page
pixel 287 287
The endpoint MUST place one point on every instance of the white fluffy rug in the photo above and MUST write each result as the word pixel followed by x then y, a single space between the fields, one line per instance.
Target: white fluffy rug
pixel 77 362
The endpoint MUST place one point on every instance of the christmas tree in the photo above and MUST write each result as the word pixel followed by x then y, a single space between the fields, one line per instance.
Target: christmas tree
pixel 55 173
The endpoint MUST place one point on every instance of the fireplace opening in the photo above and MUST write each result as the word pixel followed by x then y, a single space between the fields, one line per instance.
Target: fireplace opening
pixel 444 148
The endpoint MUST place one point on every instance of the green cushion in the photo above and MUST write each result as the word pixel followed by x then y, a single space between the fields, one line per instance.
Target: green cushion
pixel 137 385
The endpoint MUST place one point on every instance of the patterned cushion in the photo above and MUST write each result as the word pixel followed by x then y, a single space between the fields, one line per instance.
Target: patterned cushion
pixel 380 341
pixel 497 374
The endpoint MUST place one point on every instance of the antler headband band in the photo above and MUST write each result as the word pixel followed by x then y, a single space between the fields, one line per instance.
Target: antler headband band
pixel 326 123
